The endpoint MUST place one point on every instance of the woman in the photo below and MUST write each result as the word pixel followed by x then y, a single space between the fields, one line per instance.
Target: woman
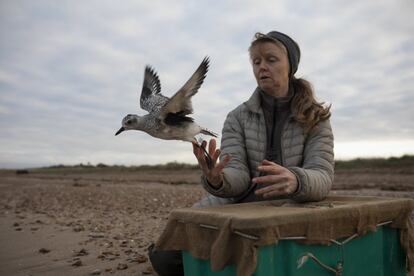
pixel 278 144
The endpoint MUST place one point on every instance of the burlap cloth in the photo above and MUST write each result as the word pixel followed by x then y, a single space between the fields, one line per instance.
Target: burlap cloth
pixel 232 234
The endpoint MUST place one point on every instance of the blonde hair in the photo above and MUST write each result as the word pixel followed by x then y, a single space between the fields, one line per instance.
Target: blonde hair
pixel 260 38
pixel 306 110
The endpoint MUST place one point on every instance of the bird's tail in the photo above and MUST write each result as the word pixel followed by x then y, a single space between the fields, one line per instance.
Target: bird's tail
pixel 209 132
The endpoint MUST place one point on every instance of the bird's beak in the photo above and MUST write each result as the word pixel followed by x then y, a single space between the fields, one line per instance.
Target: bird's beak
pixel 119 131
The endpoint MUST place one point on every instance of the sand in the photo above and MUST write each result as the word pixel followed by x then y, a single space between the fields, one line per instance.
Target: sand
pixel 101 223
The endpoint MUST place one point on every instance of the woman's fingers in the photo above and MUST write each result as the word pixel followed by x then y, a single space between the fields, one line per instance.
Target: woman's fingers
pixel 215 156
pixel 212 146
pixel 277 179
pixel 215 176
pixel 274 190
pixel 213 173
pixel 195 148
pixel 197 151
pixel 267 162
pixel 201 152
pixel 270 167
pixel 201 158
pixel 269 179
pixel 204 144
pixel 226 159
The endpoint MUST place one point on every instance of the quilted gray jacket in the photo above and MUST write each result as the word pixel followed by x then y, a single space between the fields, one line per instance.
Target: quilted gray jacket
pixel 308 155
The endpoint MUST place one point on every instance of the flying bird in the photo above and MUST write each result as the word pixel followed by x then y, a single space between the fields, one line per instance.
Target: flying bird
pixel 167 117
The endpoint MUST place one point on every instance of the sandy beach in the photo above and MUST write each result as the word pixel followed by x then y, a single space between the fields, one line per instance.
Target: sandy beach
pixel 101 222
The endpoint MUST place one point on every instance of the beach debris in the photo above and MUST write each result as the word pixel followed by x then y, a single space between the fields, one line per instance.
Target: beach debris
pixel 123 243
pixel 78 184
pixel 108 255
pixel 96 235
pixel 135 257
pixel 122 266
pixel 44 250
pixel 148 270
pixel 96 272
pixel 77 262
pixel 81 252
pixel 129 251
pixel 78 228
pixel 141 258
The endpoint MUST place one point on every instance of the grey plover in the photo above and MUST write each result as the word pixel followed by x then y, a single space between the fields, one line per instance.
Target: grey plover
pixel 167 117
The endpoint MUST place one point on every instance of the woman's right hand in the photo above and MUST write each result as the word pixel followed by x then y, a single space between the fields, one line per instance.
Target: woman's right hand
pixel 213 174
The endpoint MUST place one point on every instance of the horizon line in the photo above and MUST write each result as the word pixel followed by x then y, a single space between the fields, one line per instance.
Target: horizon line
pixel 94 164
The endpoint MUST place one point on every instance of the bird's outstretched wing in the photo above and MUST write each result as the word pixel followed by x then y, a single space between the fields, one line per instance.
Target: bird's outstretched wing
pixel 180 103
pixel 151 98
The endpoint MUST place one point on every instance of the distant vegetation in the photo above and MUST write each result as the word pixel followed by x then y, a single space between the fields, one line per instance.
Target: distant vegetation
pixel 115 168
pixel 404 162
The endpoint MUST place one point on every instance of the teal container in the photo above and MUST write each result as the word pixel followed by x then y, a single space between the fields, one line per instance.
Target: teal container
pixel 376 253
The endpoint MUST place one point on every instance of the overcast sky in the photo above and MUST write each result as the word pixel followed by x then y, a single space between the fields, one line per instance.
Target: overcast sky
pixel 70 71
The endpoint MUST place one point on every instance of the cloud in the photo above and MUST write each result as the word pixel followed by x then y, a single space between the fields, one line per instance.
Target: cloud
pixel 70 72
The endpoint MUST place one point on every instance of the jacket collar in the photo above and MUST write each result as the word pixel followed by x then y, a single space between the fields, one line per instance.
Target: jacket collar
pixel 253 104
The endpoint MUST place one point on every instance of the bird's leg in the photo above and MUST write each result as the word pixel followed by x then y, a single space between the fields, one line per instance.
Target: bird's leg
pixel 206 155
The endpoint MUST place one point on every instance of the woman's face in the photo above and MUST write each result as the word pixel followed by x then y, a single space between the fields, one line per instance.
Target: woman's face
pixel 271 68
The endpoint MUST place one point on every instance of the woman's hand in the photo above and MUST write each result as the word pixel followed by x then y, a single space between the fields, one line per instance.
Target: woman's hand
pixel 213 174
pixel 278 180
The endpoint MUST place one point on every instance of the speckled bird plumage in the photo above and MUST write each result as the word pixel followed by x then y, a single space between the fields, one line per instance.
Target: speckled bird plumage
pixel 167 117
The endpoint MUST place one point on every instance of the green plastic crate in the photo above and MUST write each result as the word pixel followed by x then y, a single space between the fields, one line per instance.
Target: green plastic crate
pixel 376 253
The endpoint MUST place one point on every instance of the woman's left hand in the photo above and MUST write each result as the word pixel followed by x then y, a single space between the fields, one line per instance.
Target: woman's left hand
pixel 278 180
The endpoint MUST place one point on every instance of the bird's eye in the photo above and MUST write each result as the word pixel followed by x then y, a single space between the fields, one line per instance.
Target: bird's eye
pixel 128 122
